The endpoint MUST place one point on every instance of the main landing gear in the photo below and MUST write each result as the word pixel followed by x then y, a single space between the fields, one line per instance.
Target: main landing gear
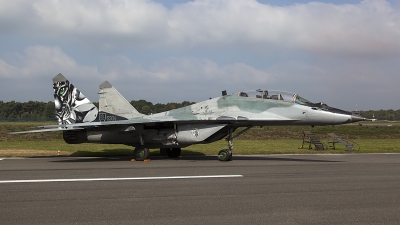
pixel 141 153
pixel 226 154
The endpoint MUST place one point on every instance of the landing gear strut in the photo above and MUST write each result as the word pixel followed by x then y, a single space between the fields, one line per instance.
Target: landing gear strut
pixel 141 153
pixel 226 154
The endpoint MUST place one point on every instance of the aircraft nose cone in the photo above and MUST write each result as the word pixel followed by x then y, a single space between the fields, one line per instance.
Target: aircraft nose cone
pixel 355 118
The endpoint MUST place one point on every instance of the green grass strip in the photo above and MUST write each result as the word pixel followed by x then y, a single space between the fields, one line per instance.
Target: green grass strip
pixel 242 147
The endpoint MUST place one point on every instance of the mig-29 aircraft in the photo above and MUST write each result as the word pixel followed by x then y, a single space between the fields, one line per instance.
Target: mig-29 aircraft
pixel 118 122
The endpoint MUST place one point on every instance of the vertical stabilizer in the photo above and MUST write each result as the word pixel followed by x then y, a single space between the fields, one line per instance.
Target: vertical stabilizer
pixel 111 101
pixel 71 105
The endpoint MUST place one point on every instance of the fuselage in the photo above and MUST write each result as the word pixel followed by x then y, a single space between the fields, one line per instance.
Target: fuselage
pixel 239 110
pixel 210 120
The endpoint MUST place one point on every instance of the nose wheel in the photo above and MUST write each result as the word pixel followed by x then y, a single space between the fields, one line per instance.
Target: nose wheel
pixel 226 154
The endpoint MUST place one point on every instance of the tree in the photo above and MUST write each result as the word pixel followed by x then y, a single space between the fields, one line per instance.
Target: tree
pixel 50 110
pixel 146 110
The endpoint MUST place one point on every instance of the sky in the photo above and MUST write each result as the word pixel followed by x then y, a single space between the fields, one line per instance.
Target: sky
pixel 343 53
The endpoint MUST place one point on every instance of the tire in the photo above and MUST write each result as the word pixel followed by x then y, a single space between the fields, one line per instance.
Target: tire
pixel 224 155
pixel 141 154
pixel 173 152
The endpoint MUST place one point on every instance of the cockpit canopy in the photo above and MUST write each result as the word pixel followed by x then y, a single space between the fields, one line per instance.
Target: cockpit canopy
pixel 276 95
pixel 288 97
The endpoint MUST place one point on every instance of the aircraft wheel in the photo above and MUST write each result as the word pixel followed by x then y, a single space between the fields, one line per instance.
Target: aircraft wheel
pixel 224 155
pixel 141 154
pixel 173 152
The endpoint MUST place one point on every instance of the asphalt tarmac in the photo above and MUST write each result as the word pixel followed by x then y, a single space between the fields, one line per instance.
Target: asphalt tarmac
pixel 272 189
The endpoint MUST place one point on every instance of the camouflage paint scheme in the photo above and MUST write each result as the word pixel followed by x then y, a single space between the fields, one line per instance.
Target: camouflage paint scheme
pixel 118 122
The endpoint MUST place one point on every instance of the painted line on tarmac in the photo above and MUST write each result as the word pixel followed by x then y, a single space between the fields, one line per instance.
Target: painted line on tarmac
pixel 118 179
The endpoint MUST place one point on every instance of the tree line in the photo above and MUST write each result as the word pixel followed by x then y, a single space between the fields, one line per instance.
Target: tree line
pixel 35 110
pixel 388 114
pixel 148 108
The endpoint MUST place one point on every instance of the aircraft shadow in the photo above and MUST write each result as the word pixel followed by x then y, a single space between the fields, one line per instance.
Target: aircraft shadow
pixel 124 154
pixel 189 158
pixel 241 158
pixel 113 155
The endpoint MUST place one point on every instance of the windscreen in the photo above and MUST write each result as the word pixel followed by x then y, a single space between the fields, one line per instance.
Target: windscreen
pixel 302 101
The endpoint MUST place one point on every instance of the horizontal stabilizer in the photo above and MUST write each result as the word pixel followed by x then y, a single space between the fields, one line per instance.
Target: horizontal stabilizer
pixel 47 130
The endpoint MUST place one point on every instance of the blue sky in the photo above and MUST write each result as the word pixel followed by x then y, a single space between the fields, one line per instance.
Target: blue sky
pixel 344 53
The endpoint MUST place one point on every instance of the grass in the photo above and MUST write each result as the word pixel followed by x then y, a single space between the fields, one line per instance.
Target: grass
pixel 371 137
pixel 242 147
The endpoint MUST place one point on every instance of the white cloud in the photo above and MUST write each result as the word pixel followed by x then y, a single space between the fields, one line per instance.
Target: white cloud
pixel 204 70
pixel 332 53
pixel 199 79
pixel 369 28
pixel 103 24
pixel 41 61
pixel 39 64
pixel 338 82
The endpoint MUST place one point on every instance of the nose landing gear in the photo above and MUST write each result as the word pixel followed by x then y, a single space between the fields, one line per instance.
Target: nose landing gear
pixel 226 154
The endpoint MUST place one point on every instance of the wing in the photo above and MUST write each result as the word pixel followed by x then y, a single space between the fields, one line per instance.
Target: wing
pixel 151 120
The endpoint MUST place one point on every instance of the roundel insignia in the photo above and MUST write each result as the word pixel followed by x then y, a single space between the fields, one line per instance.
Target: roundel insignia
pixel 195 132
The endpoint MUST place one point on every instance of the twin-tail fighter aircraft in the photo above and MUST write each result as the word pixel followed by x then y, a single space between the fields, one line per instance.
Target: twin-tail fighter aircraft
pixel 118 122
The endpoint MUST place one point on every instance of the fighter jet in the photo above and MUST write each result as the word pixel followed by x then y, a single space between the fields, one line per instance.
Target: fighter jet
pixel 118 122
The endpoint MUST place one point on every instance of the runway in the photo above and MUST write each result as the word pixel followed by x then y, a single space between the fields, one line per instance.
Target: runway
pixel 271 189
